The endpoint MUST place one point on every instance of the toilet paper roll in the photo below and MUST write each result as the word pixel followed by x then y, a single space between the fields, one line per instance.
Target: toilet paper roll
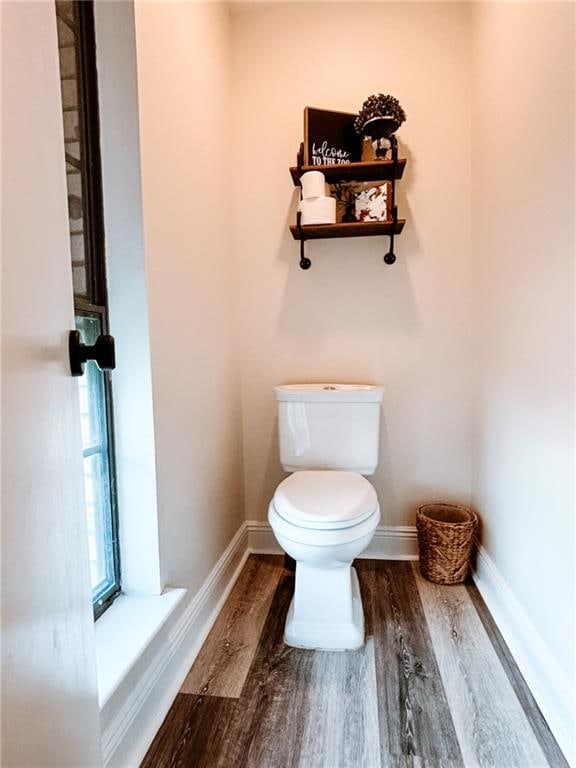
pixel 313 184
pixel 319 210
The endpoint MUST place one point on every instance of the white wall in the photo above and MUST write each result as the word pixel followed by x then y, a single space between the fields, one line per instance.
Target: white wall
pixel 523 253
pixel 49 697
pixel 183 54
pixel 351 317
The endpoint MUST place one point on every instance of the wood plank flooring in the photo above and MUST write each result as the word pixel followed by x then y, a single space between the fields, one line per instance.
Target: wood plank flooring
pixel 535 717
pixel 490 723
pixel 433 687
pixel 409 681
pixel 225 658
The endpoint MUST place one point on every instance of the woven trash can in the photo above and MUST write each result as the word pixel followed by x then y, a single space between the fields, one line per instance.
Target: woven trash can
pixel 445 539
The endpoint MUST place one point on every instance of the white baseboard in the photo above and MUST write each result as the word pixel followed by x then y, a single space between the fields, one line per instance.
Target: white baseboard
pixel 389 543
pixel 539 668
pixel 133 715
pixel 261 539
pixel 393 542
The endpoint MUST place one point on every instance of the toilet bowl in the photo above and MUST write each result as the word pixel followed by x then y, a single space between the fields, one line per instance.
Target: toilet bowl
pixel 324 519
pixel 326 512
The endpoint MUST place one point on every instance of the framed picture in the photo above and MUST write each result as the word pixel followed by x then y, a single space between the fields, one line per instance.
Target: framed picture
pixel 330 138
pixel 373 202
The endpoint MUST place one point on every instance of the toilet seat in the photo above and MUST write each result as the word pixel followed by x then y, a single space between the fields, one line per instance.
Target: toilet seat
pixel 327 500
pixel 323 537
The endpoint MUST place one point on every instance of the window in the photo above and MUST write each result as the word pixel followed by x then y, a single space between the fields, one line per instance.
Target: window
pixel 78 77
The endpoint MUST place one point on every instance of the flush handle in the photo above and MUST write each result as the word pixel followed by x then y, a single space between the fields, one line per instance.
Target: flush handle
pixel 102 352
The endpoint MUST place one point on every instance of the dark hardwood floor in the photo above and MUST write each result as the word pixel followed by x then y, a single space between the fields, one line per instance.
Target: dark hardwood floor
pixel 433 687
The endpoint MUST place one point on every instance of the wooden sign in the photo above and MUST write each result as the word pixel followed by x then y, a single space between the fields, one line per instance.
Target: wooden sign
pixel 330 138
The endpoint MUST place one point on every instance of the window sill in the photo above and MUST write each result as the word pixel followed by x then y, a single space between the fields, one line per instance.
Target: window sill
pixel 125 631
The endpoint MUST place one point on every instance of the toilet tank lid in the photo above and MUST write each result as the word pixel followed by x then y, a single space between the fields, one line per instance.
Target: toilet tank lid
pixel 343 393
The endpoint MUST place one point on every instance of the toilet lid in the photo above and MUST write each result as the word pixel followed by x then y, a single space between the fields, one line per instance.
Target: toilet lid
pixel 325 499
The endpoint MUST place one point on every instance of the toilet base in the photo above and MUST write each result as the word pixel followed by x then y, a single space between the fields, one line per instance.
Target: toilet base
pixel 328 635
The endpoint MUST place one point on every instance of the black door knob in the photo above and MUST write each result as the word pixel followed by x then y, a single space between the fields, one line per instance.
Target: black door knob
pixel 102 352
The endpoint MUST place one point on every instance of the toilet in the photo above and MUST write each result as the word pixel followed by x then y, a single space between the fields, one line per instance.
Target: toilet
pixel 325 513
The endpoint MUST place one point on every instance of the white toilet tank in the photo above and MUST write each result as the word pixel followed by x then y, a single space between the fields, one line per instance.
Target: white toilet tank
pixel 329 426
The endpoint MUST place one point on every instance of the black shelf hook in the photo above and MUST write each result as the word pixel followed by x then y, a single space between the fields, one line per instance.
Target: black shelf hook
pixel 102 352
pixel 390 257
pixel 305 262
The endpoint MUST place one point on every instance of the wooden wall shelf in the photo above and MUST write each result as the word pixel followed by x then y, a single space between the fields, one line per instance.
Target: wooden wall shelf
pixel 353 229
pixel 380 170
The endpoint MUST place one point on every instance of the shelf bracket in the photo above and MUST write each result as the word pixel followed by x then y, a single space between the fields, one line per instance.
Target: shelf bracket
pixel 390 257
pixel 305 262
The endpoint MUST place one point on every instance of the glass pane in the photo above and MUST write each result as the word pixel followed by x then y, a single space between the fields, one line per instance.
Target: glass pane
pixel 79 278
pixel 97 529
pixel 68 31
pixel 96 465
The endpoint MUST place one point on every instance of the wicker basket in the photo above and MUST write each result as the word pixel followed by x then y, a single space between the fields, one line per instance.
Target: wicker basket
pixel 445 539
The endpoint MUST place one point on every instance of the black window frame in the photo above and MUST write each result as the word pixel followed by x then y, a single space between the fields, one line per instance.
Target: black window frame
pixel 96 301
